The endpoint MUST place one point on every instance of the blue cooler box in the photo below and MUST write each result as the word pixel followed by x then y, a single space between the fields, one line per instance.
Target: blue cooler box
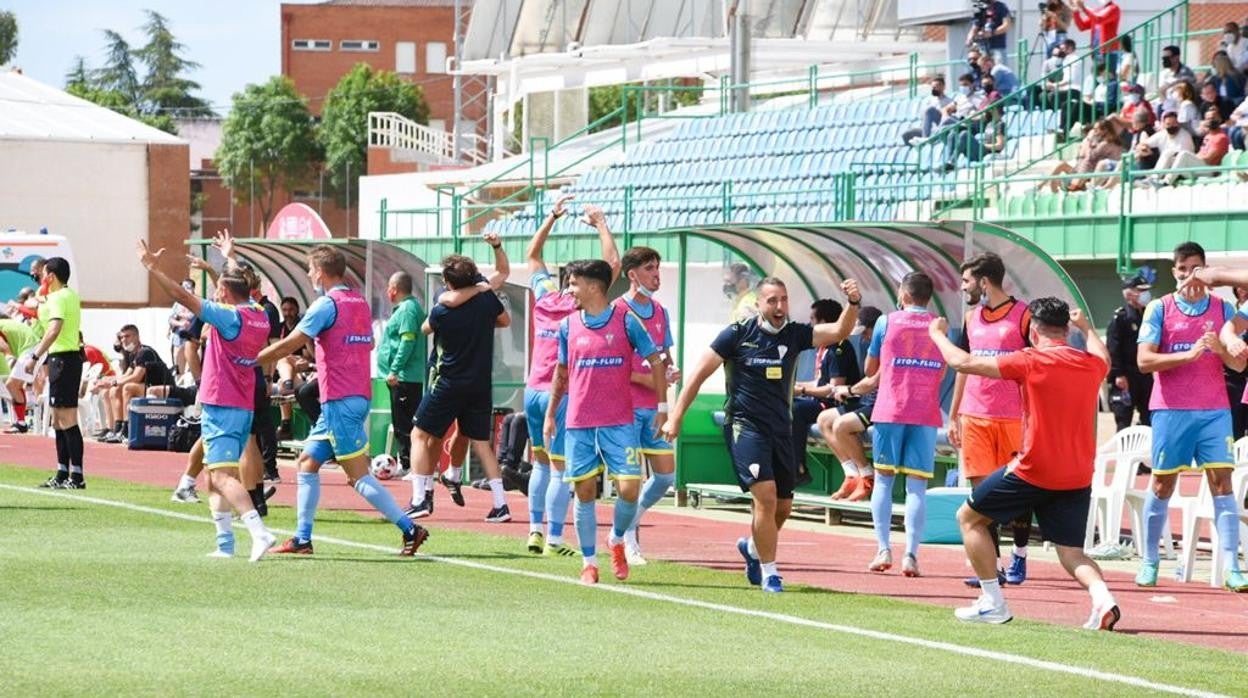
pixel 150 422
pixel 942 514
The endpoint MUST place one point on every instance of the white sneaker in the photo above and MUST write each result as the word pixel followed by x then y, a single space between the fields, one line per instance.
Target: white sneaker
pixel 633 553
pixel 1104 616
pixel 261 544
pixel 982 611
pixel 220 554
pixel 185 496
pixel 883 561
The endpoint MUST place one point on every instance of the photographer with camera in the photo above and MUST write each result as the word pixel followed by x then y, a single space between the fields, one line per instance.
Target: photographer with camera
pixel 1054 21
pixel 989 25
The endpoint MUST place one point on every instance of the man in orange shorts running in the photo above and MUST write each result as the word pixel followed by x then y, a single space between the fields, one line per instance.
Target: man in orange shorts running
pixel 986 413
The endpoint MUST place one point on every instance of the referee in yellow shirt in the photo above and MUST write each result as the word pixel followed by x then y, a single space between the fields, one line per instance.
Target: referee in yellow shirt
pixel 60 318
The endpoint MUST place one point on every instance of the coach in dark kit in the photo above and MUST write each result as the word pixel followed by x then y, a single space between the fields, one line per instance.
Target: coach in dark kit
pixel 1129 389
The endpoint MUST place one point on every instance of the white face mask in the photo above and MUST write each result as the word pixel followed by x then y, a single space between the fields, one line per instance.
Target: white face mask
pixel 1132 99
pixel 770 328
pixel 1229 38
pixel 965 90
pixel 645 292
pixel 1145 297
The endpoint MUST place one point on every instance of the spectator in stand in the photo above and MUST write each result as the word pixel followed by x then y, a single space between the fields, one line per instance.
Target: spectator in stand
pixel 1101 144
pixel 1096 96
pixel 1062 87
pixel 931 113
pixel 1228 79
pixel 1210 99
pixel 1172 73
pixel 1054 22
pixel 1140 130
pixel 1233 43
pixel 1238 121
pixel 1182 97
pixel 988 94
pixel 986 137
pixel 973 56
pixel 1213 147
pixel 1165 145
pixel 989 29
pixel 1003 78
pixel 1128 62
pixel 1102 24
pixel 1132 101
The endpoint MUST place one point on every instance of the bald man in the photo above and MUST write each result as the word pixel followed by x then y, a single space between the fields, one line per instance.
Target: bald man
pixel 401 359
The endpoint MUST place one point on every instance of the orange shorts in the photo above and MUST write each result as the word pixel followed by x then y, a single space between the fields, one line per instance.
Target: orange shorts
pixel 988 444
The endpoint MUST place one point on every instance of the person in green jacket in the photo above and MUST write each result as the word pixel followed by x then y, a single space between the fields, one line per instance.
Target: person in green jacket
pixel 17 340
pixel 401 359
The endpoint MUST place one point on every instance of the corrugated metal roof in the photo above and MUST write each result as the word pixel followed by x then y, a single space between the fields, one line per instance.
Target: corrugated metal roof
pixel 31 110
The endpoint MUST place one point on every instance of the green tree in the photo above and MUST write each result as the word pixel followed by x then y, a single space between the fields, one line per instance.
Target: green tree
pixel 164 89
pixel 344 121
pixel 8 36
pixel 267 141
pixel 78 78
pixel 118 74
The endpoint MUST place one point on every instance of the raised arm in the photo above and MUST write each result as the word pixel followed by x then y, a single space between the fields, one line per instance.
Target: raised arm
pixel 149 260
pixel 1217 276
pixel 534 253
pixel 502 268
pixel 1096 347
pixel 959 360
pixel 610 253
pixel 829 333
pixel 282 347
pixel 707 364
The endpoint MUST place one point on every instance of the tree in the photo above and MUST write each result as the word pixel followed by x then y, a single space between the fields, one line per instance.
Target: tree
pixel 8 36
pixel 78 78
pixel 164 89
pixel 118 74
pixel 344 120
pixel 266 141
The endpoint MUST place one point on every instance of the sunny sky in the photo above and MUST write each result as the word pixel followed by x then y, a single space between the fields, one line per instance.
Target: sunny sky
pixel 236 42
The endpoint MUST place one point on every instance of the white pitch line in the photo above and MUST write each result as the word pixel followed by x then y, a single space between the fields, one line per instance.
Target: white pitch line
pixel 1082 672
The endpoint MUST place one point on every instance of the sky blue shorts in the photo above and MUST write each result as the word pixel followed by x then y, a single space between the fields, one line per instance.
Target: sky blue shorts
pixel 225 431
pixel 647 442
pixel 536 402
pixel 339 434
pixel 589 449
pixel 909 449
pixel 1186 439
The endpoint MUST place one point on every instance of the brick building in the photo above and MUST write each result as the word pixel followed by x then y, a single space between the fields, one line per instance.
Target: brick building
pixel 322 42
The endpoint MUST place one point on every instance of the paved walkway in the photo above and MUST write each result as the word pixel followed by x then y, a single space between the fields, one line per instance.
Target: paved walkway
pixel 810 553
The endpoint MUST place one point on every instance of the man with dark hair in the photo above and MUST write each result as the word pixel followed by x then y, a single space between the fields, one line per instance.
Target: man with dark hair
pixel 1052 474
pixel 60 318
pixel 238 330
pixel 907 370
pixel 986 415
pixel 641 267
pixel 760 357
pixel 340 323
pixel 1180 343
pixel 595 370
pixel 548 493
pixel 401 359
pixel 460 381
pixel 834 365
pixel 144 369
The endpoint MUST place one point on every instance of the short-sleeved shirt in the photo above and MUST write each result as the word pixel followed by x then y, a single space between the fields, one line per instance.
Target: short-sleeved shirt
pixel 542 283
pixel 18 335
pixel 94 355
pixel 402 349
pixel 320 316
pixel 1060 387
pixel 1150 328
pixel 224 317
pixel 63 305
pixel 464 346
pixel 637 335
pixel 155 370
pixel 760 368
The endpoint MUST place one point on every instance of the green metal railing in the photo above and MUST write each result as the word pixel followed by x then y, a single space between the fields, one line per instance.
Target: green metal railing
pixel 1062 94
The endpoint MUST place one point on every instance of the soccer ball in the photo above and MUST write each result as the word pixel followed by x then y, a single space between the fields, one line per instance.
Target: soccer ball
pixel 384 467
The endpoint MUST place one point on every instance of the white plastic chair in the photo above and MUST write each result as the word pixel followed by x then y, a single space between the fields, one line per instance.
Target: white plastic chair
pixel 1202 511
pixel 88 404
pixel 1127 450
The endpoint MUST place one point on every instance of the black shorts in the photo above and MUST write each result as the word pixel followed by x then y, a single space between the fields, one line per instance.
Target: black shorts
pixel 862 409
pixel 1062 514
pixel 64 378
pixel 185 395
pixel 760 458
pixel 262 418
pixel 472 407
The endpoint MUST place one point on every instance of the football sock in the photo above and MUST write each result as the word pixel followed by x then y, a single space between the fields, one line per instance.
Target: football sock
pixel 558 494
pixel 420 485
pixel 882 508
pixel 587 528
pixel 850 469
pixel 62 456
pixel 1019 551
pixel 916 513
pixel 1227 523
pixel 538 482
pixel 652 493
pixel 309 493
pixel 992 589
pixel 371 490
pixel 254 524
pixel 453 473
pixel 496 489
pixel 1022 536
pixel 866 470
pixel 1100 593
pixel 225 532
pixel 186 482
pixel 751 548
pixel 1155 516
pixel 19 411
pixel 769 570
pixel 623 516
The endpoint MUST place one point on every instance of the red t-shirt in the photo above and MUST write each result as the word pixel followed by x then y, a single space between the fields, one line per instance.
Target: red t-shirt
pixel 95 356
pixel 1060 387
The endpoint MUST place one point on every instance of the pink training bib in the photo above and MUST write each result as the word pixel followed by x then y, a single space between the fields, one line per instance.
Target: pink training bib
pixel 911 368
pixel 656 327
pixel 599 368
pixel 548 312
pixel 229 377
pixel 993 397
pixel 342 350
pixel 1200 384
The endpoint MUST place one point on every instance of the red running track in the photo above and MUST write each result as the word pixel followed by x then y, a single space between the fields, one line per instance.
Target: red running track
pixel 1191 613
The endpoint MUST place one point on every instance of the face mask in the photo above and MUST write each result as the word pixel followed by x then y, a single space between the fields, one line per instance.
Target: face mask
pixel 1174 94
pixel 983 297
pixel 936 92
pixel 1229 38
pixel 987 87
pixel 320 290
pixel 1100 81
pixel 118 348
pixel 730 290
pixel 1172 129
pixel 965 90
pixel 1145 297
pixel 1167 62
pixel 1133 99
pixel 645 292
pixel 770 328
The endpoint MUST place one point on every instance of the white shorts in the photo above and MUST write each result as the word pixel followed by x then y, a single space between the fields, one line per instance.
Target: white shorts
pixel 19 367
